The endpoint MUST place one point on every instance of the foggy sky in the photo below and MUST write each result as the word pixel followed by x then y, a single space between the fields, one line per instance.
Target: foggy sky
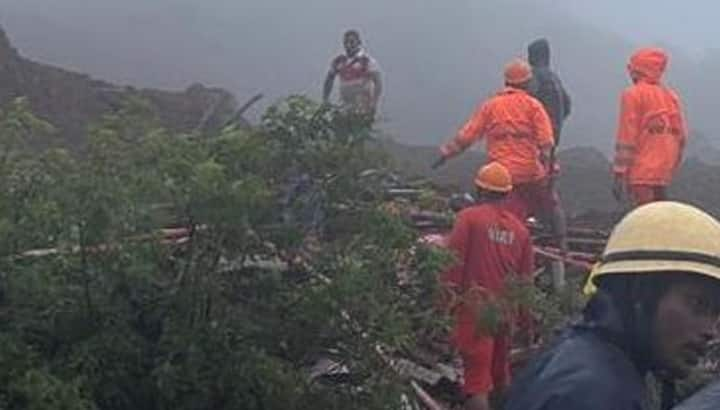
pixel 439 58
pixel 690 25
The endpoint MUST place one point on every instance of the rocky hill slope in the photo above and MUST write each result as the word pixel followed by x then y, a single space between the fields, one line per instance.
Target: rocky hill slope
pixel 584 183
pixel 70 101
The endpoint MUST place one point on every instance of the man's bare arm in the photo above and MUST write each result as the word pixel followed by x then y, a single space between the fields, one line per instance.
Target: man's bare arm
pixel 328 86
pixel 377 86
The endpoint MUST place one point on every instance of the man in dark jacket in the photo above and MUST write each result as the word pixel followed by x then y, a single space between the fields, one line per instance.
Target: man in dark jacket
pixel 657 302
pixel 546 87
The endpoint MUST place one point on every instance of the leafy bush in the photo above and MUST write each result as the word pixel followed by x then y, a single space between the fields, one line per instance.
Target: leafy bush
pixel 104 315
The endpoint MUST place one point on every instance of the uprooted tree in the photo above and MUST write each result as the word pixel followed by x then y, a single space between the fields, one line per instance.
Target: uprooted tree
pixel 105 313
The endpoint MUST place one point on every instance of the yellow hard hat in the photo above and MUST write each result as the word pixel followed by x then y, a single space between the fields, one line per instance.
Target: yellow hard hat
pixel 662 236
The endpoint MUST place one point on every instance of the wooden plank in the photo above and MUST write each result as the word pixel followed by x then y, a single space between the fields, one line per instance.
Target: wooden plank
pixel 569 260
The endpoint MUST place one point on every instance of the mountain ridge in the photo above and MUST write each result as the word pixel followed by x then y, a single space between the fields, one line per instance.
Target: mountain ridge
pixel 71 101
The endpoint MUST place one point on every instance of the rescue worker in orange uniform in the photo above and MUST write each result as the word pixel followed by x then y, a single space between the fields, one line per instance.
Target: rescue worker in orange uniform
pixel 491 244
pixel 651 134
pixel 519 135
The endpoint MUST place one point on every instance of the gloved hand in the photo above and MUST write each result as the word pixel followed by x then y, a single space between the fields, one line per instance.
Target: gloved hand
pixel 619 188
pixel 447 151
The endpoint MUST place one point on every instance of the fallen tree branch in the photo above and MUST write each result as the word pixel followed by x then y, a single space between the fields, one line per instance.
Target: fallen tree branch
pixel 567 259
pixel 239 113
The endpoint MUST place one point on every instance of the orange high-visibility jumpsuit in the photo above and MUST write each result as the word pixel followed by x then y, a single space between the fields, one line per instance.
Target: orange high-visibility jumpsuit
pixel 652 131
pixel 491 244
pixel 516 127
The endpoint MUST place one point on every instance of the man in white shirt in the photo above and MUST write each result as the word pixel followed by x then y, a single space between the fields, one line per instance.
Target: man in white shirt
pixel 360 80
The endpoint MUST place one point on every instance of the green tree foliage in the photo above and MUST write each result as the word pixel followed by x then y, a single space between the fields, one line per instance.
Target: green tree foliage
pixel 103 314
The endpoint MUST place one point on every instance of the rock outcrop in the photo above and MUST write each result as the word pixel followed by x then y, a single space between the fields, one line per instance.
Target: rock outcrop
pixel 70 101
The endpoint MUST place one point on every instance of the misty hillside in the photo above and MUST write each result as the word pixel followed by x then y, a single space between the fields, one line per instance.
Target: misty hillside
pixel 585 181
pixel 440 60
pixel 71 101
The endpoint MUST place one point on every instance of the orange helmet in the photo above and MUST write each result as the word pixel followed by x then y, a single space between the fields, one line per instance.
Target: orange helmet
pixel 517 72
pixel 494 177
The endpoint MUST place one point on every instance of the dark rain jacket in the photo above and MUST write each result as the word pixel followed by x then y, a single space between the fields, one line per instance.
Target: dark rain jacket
pixel 547 87
pixel 590 368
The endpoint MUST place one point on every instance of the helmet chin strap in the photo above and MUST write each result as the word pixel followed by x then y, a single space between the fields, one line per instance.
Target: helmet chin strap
pixel 642 321
pixel 637 302
pixel 668 393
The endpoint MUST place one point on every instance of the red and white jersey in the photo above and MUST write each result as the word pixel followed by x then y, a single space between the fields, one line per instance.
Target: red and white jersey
pixel 355 73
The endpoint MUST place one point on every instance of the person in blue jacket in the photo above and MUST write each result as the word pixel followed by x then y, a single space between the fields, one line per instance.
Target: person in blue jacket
pixel 655 308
